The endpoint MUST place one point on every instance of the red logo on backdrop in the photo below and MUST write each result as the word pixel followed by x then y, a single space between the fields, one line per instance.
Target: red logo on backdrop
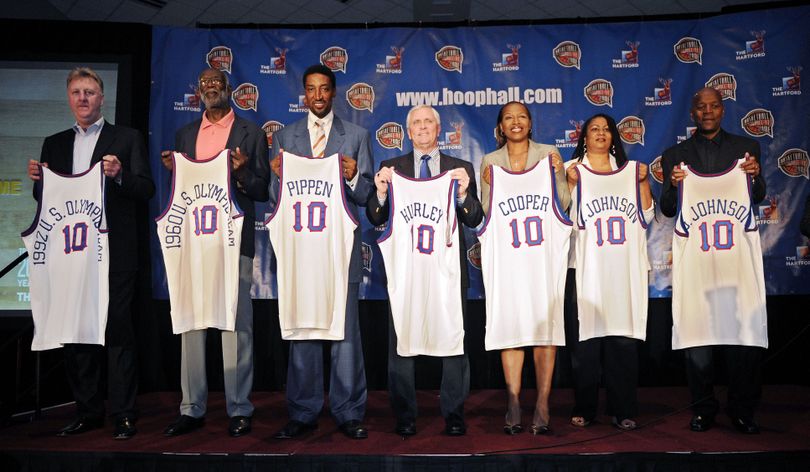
pixel 269 128
pixel 361 96
pixel 689 50
pixel 568 54
pixel 724 83
pixel 599 92
pixel 474 255
pixel 631 130
pixel 335 58
pixel 794 162
pixel 657 170
pixel 450 58
pixel 220 58
pixel 246 96
pixel 280 62
pixel 758 123
pixel 390 135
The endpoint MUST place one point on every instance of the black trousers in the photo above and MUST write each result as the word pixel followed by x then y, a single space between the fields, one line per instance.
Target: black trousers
pixel 743 370
pixel 84 362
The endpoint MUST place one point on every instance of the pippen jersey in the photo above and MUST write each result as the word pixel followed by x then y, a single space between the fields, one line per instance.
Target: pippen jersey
pixel 718 283
pixel 524 253
pixel 200 232
pixel 312 233
pixel 421 255
pixel 611 254
pixel 68 264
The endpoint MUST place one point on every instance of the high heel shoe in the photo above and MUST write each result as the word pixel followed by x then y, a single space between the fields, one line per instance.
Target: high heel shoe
pixel 539 426
pixel 511 428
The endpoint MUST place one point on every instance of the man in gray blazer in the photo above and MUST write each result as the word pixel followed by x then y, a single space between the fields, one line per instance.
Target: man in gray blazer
pixel 219 128
pixel 347 383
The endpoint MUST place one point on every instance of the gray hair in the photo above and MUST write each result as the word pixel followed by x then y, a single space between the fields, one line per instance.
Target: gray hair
pixel 420 107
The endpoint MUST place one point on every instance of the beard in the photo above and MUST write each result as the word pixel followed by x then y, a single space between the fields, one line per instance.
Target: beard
pixel 218 102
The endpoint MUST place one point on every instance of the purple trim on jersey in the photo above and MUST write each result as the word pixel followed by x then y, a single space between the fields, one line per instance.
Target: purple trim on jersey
pixel 231 189
pixel 610 172
pixel 389 229
pixel 580 221
pixel 280 192
pixel 39 188
pixel 343 190
pixel 679 224
pixel 171 192
pixel 488 215
pixel 638 196
pixel 748 222
pixel 558 210
pixel 722 172
pixel 426 179
pixel 451 206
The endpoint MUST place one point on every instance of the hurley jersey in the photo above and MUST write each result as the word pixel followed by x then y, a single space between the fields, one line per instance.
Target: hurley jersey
pixel 312 233
pixel 68 263
pixel 421 255
pixel 718 284
pixel 200 231
pixel 524 254
pixel 612 267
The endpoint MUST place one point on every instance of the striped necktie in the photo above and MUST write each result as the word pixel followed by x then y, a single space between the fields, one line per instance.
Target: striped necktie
pixel 319 146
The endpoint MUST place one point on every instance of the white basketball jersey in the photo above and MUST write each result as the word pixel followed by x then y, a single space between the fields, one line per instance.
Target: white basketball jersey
pixel 612 267
pixel 718 284
pixel 68 260
pixel 524 254
pixel 200 232
pixel 421 255
pixel 312 233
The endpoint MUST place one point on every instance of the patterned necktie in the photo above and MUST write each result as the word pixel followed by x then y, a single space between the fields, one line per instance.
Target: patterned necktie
pixel 319 146
pixel 424 170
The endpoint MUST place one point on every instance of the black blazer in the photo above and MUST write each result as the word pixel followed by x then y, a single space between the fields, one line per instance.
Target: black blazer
pixel 470 213
pixel 732 147
pixel 251 183
pixel 120 201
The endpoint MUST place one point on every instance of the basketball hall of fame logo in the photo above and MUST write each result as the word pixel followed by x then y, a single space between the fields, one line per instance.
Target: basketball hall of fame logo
pixel 657 170
pixel 758 123
pixel 631 130
pixel 361 96
pixel 393 64
pixel 450 58
pixel 390 135
pixel 474 255
pixel 567 54
pixel 246 96
pixel 794 163
pixel 220 58
pixel 629 57
pixel 689 50
pixel 599 92
pixel 571 135
pixel 509 61
pixel 724 83
pixel 335 58
pixel 269 128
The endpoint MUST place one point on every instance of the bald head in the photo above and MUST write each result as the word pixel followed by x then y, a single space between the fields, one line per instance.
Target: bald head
pixel 707 111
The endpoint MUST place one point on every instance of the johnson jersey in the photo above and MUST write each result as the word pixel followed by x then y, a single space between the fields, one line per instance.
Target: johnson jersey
pixel 200 232
pixel 312 232
pixel 68 265
pixel 718 285
pixel 421 256
pixel 612 267
pixel 524 253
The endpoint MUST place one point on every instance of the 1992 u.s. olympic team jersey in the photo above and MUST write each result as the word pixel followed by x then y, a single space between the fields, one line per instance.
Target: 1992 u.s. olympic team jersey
pixel 612 267
pixel 312 232
pixel 68 264
pixel 421 255
pixel 718 284
pixel 200 232
pixel 524 254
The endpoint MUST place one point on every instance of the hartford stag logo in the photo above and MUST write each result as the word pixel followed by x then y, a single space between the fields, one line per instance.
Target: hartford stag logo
pixel 220 58
pixel 568 54
pixel 768 211
pixel 689 50
pixel 754 48
pixel 790 85
pixel 690 131
pixel 631 130
pixel 191 101
pixel 246 96
pixel 393 64
pixel 758 123
pixel 361 96
pixel 794 163
pixel 452 139
pixel 450 58
pixel 335 58
pixel 629 58
pixel 300 107
pixel 271 127
pixel 724 83
pixel 657 170
pixel 599 92
pixel 662 96
pixel 278 64
pixel 390 135
pixel 571 135
pixel 509 61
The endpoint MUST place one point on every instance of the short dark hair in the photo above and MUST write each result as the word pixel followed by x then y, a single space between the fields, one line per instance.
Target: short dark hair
pixel 499 137
pixel 320 69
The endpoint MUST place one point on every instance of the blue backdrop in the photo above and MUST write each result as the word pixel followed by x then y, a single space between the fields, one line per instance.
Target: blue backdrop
pixel 641 73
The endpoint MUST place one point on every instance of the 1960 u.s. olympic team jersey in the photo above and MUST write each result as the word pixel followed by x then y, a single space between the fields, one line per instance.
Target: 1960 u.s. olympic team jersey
pixel 421 255
pixel 312 232
pixel 524 254
pixel 718 283
pixel 68 264
pixel 612 266
pixel 200 232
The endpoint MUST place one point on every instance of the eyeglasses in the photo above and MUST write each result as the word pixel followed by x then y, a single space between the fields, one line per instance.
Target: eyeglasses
pixel 215 82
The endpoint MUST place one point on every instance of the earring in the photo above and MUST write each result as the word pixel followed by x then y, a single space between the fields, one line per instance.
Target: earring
pixel 584 148
pixel 613 149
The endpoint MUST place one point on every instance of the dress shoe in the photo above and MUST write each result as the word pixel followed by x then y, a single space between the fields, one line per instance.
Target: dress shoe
pixel 745 426
pixel 455 428
pixel 511 422
pixel 81 425
pixel 295 428
pixel 239 426
pixel 701 423
pixel 405 428
pixel 184 424
pixel 538 429
pixel 124 428
pixel 626 424
pixel 354 430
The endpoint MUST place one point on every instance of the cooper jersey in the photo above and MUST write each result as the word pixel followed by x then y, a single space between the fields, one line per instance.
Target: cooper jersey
pixel 68 266
pixel 200 232
pixel 612 267
pixel 312 233
pixel 718 282
pixel 421 256
pixel 524 253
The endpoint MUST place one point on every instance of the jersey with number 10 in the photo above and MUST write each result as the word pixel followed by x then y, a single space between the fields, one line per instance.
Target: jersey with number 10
pixel 200 232
pixel 718 283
